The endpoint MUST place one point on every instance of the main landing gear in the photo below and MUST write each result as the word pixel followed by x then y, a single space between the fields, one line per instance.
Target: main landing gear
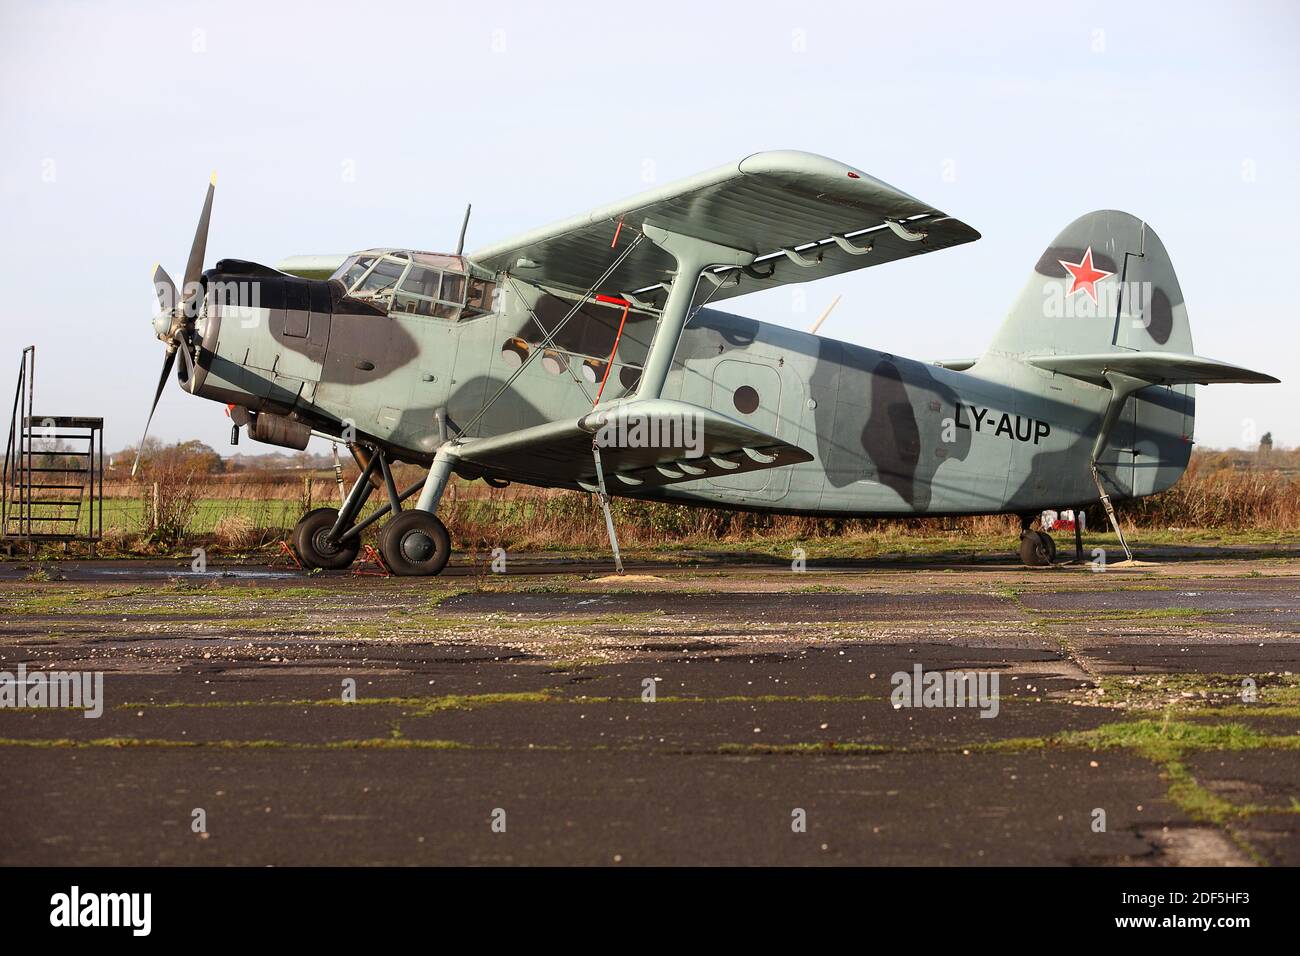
pixel 315 548
pixel 414 542
pixel 1037 549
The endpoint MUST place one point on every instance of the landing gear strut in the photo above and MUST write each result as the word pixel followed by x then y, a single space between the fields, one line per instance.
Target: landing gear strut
pixel 1121 387
pixel 414 542
pixel 1037 549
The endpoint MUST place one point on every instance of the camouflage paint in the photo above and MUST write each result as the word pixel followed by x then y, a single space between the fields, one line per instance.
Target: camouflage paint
pixel 886 435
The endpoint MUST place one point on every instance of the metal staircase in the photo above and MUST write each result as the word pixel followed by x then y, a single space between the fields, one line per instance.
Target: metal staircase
pixel 53 488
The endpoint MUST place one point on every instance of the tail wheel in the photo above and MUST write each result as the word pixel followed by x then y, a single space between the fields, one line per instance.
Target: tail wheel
pixel 415 543
pixel 315 548
pixel 1037 549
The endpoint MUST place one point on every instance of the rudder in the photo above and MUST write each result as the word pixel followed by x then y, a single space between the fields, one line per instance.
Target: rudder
pixel 1106 282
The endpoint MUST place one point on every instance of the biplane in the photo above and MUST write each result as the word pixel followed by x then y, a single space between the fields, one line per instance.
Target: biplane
pixel 593 355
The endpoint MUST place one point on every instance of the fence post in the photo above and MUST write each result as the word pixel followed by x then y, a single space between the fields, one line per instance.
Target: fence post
pixel 306 491
pixel 154 525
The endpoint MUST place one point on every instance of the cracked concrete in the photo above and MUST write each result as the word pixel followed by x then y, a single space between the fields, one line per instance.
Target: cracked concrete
pixel 1117 691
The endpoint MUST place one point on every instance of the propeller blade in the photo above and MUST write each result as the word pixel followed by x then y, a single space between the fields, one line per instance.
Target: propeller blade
pixel 162 380
pixel 166 289
pixel 194 267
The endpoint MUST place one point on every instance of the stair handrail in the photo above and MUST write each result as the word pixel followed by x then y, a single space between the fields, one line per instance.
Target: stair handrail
pixel 17 473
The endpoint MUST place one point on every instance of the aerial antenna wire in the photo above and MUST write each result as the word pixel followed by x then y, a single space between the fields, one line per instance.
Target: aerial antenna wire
pixel 818 324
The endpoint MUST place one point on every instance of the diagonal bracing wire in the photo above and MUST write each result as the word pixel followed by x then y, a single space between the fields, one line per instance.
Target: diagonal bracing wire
pixel 576 381
pixel 550 336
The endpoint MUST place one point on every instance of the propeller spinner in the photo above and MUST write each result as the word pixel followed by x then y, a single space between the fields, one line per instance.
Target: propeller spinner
pixel 177 311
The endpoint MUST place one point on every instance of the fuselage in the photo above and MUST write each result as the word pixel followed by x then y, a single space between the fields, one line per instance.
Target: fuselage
pixel 889 436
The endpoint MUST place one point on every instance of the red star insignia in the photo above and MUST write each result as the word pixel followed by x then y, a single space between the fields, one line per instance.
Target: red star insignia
pixel 1084 274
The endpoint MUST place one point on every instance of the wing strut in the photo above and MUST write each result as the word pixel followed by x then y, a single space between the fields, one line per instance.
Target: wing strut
pixel 604 504
pixel 693 256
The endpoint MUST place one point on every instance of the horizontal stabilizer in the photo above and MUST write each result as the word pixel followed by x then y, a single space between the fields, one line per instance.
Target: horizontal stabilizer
pixel 1158 368
pixel 644 444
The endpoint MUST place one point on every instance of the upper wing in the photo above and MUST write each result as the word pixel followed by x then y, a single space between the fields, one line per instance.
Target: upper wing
pixel 705 444
pixel 803 216
pixel 1158 368
pixel 311 267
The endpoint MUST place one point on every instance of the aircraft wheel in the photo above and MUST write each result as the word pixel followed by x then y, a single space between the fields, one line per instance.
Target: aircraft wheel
pixel 311 542
pixel 1037 549
pixel 415 543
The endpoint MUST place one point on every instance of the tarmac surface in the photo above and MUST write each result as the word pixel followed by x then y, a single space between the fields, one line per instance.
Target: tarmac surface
pixel 1145 715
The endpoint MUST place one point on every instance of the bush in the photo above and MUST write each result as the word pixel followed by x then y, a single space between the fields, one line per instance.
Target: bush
pixel 170 494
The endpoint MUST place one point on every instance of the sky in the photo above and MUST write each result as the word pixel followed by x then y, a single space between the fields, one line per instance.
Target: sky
pixel 342 126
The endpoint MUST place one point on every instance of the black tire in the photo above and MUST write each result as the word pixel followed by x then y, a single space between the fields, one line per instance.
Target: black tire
pixel 415 544
pixel 310 541
pixel 1051 546
pixel 1036 549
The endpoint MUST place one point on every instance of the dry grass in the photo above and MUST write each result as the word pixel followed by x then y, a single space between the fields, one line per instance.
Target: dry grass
pixel 1223 497
pixel 235 532
pixel 1222 491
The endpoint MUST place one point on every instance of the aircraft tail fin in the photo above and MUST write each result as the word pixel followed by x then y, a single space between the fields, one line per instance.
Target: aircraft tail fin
pixel 1104 307
pixel 1102 301
pixel 1104 294
pixel 1105 283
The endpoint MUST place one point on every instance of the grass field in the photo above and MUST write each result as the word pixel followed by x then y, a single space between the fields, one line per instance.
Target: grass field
pixel 1222 499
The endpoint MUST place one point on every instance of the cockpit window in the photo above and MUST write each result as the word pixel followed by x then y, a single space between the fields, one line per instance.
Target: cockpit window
pixel 353 269
pixel 428 291
pixel 480 297
pixel 381 280
pixel 421 281
pixel 453 288
pixel 438 286
pixel 418 292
